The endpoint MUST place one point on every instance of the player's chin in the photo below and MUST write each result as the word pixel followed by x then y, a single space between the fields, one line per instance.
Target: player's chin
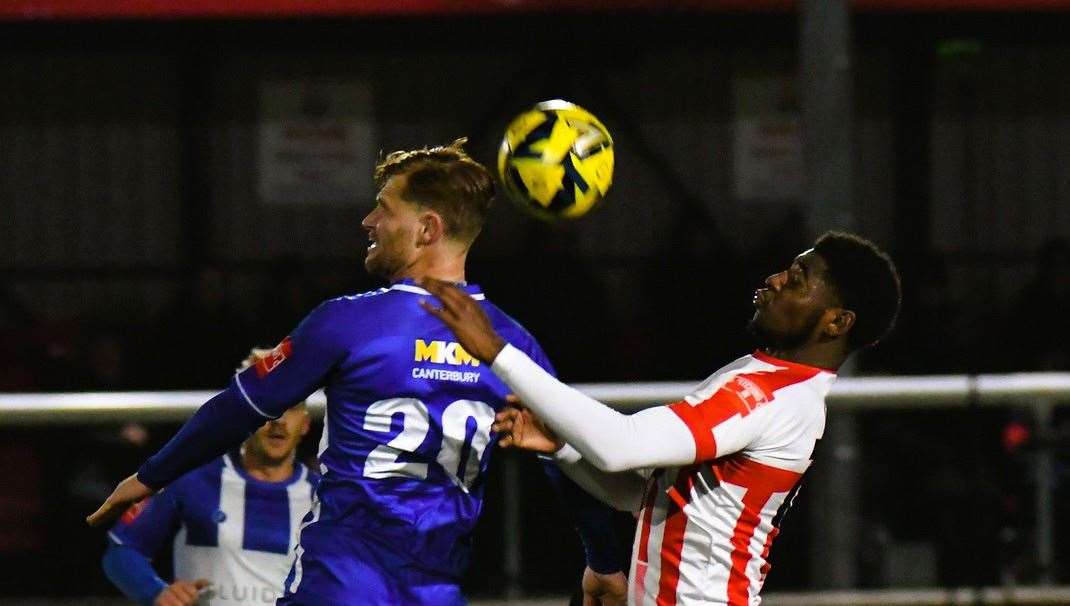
pixel 371 263
pixel 277 456
pixel 758 329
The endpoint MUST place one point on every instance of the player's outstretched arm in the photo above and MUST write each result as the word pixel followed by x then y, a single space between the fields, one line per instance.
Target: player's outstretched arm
pixel 262 392
pixel 518 427
pixel 128 492
pixel 609 440
pixel 219 424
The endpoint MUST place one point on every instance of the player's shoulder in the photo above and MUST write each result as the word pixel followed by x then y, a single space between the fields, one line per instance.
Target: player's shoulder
pixel 346 310
pixel 785 373
pixel 354 301
pixel 510 329
pixel 762 377
pixel 758 377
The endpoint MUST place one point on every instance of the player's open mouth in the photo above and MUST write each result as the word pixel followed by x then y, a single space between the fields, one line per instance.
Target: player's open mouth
pixel 759 298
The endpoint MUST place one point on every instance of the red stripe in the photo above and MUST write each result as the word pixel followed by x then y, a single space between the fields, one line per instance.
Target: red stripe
pixel 740 395
pixel 765 553
pixel 701 430
pixel 738 583
pixel 752 475
pixel 161 9
pixel 672 543
pixel 761 481
pixel 641 565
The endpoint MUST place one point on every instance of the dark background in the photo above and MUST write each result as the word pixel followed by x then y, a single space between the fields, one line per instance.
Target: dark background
pixel 135 253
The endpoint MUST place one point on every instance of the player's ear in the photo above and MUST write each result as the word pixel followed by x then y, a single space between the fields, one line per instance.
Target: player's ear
pixel 432 228
pixel 838 322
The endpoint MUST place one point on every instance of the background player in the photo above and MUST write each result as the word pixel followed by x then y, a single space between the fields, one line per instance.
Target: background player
pixel 404 447
pixel 729 458
pixel 232 524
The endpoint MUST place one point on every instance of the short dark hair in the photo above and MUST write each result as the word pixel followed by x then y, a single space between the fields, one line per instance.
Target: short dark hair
pixel 866 281
pixel 446 180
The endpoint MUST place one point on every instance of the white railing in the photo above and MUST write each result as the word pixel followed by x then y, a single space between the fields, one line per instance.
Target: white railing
pixel 937 391
pixel 1039 391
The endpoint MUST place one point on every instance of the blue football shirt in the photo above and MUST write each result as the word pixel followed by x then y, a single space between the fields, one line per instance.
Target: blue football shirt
pixel 405 446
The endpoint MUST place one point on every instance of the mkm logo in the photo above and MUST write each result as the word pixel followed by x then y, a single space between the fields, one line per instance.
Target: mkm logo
pixel 444 352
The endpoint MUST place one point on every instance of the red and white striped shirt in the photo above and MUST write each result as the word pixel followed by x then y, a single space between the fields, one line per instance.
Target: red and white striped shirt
pixel 705 529
pixel 726 463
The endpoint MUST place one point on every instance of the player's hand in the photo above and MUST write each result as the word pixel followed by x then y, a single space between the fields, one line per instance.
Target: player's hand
pixel 518 427
pixel 604 589
pixel 465 317
pixel 180 593
pixel 128 492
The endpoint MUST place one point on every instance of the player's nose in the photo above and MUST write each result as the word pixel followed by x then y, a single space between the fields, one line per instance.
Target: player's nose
pixel 368 222
pixel 776 280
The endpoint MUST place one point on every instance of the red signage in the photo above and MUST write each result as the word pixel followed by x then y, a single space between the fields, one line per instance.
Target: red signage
pixel 170 9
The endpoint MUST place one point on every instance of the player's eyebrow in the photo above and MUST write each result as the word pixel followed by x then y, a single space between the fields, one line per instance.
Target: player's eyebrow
pixel 805 268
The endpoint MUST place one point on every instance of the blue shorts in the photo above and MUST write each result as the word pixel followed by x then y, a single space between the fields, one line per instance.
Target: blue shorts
pixel 339 568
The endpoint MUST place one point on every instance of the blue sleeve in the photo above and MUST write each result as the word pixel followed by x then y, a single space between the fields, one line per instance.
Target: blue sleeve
pixel 218 425
pixel 592 518
pixel 148 526
pixel 130 571
pixel 291 372
pixel 301 363
pixel 136 537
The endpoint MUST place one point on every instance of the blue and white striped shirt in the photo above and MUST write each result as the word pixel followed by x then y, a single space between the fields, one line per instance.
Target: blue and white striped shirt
pixel 237 532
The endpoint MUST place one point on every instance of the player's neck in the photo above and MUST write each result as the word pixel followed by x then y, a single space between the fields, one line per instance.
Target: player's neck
pixel 448 267
pixel 820 355
pixel 264 470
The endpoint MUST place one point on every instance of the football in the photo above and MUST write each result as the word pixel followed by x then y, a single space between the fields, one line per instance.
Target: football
pixel 556 160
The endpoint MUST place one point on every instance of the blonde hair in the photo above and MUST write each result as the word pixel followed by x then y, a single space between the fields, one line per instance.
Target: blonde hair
pixel 446 180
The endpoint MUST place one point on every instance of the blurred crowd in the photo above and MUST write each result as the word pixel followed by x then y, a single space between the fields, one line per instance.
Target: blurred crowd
pixel 677 316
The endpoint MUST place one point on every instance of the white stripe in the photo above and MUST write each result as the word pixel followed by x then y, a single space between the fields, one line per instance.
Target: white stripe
pixel 417 290
pixel 298 573
pixel 113 537
pixel 695 584
pixel 237 379
pixel 324 442
pixel 299 551
pixel 717 506
pixel 231 531
pixel 761 535
pixel 300 498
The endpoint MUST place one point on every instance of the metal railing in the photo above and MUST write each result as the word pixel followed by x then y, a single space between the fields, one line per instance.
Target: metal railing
pixel 1040 391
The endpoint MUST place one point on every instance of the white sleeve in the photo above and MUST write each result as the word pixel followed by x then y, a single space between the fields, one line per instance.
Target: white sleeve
pixel 622 490
pixel 609 440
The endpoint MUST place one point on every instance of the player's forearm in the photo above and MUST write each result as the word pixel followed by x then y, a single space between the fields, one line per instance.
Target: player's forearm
pixel 621 490
pixel 592 519
pixel 609 440
pixel 132 573
pixel 218 425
